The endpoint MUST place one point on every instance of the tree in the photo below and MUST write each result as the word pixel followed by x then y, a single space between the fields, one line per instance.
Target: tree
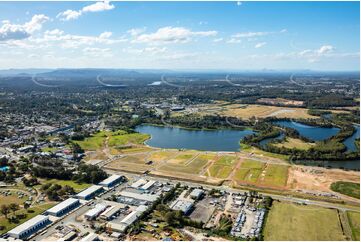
pixel 14 207
pixel 26 205
pixel 5 210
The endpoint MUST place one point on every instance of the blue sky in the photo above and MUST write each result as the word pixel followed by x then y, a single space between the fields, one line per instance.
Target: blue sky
pixel 180 35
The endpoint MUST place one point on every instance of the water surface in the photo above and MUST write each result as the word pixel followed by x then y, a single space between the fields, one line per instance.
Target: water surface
pixel 312 132
pixel 178 138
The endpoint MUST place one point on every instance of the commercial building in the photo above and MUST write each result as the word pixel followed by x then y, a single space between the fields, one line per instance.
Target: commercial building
pixel 63 207
pixel 28 228
pixel 93 213
pixel 111 181
pixel 90 192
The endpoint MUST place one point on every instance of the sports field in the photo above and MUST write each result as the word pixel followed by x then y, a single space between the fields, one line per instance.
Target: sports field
pixel 288 221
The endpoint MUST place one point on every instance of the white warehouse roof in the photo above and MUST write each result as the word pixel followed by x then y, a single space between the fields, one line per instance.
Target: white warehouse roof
pixel 96 211
pixel 196 192
pixel 89 191
pixel 148 185
pixel 28 224
pixel 109 180
pixel 138 183
pixel 144 197
pixel 130 218
pixel 63 205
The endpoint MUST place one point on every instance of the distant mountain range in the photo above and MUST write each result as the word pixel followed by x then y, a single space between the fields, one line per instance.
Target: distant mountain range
pixel 91 72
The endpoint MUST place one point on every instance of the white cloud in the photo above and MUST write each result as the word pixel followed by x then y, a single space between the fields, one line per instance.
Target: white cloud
pixel 58 37
pixel 148 50
pixel 54 32
pixel 239 3
pixel 136 31
pixel 259 45
pixel 98 52
pixel 95 7
pixel 171 35
pixel 250 34
pixel 10 31
pixel 218 40
pixel 234 41
pixel 325 49
pixel 98 7
pixel 69 15
pixel 105 35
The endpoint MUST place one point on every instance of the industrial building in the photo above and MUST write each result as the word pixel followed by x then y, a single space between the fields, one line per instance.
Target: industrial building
pixel 111 211
pixel 95 212
pixel 90 192
pixel 128 220
pixel 148 185
pixel 196 193
pixel 28 228
pixel 139 196
pixel 139 183
pixel 63 207
pixel 111 181
pixel 183 205
pixel 90 237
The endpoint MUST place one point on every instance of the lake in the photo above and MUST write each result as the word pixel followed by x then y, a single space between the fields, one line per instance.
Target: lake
pixel 350 141
pixel 178 138
pixel 312 132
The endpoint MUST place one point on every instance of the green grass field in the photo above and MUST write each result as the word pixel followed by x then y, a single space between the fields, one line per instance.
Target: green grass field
pixel 13 198
pixel 347 188
pixel 354 220
pixel 276 175
pixel 292 143
pixel 249 171
pixel 194 167
pixel 223 167
pixel 94 142
pixel 77 187
pixel 259 173
pixel 293 222
pixel 116 138
pixel 32 212
pixel 226 160
pixel 123 139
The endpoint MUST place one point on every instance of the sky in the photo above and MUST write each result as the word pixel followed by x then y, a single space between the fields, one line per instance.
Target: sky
pixel 181 35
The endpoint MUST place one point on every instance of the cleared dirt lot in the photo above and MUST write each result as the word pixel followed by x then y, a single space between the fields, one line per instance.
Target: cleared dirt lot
pixel 318 179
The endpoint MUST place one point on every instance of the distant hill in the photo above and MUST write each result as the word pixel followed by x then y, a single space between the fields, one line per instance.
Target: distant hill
pixel 22 72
